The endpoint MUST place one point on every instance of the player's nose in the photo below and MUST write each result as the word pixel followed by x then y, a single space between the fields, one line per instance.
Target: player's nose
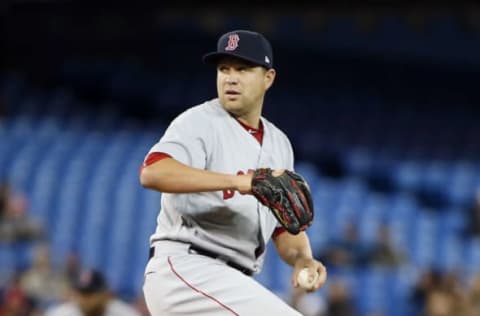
pixel 231 80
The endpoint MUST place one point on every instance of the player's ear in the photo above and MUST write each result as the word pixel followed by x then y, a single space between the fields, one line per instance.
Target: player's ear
pixel 269 77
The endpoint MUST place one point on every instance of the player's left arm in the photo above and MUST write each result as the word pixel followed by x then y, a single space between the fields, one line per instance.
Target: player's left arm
pixel 296 251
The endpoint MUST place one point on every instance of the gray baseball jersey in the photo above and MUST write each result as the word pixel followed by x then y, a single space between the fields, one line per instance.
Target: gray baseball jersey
pixel 180 280
pixel 233 225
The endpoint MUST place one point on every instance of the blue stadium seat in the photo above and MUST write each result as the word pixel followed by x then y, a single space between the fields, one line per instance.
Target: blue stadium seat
pixel 147 210
pixel 460 188
pixel 7 264
pixel 371 217
pixel 70 206
pixel 471 256
pixel 358 161
pixel 435 176
pixel 372 296
pixel 23 252
pixel 309 171
pixel 281 282
pixel 268 276
pixel 449 255
pixel 407 176
pixel 401 217
pixel 399 284
pixel 453 220
pixel 423 242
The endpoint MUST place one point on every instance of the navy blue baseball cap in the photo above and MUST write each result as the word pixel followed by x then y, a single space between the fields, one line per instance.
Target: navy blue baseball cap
pixel 246 45
pixel 90 281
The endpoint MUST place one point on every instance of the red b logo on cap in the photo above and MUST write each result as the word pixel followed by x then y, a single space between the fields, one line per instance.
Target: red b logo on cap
pixel 232 42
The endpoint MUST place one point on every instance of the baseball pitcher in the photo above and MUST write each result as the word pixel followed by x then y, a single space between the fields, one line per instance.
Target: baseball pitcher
pixel 226 174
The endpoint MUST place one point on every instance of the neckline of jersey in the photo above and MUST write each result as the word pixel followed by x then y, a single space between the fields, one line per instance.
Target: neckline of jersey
pixel 257 133
pixel 250 129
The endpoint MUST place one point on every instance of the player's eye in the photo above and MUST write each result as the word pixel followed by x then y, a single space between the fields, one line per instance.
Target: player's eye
pixel 222 68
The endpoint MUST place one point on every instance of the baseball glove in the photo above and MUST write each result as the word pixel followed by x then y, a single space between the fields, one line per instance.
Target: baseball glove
pixel 288 196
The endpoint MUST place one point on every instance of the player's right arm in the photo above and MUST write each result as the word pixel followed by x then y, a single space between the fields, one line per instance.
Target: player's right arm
pixel 178 162
pixel 171 176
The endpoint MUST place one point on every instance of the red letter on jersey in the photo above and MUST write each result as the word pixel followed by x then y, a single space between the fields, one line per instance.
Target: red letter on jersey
pixel 228 194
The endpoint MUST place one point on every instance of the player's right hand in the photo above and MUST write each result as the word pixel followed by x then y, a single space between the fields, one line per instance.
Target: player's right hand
pixel 244 183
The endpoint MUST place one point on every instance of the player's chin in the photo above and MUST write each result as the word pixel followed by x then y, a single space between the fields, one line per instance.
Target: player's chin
pixel 232 105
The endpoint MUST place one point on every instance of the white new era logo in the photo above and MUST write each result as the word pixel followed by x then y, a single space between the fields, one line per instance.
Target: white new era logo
pixel 267 60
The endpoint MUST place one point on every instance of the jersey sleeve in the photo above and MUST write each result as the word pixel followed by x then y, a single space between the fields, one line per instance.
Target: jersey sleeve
pixel 185 140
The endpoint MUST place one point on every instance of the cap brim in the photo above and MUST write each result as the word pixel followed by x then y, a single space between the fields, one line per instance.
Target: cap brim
pixel 214 57
pixel 90 290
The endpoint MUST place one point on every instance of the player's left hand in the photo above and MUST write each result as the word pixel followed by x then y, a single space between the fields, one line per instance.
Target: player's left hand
pixel 314 266
pixel 287 195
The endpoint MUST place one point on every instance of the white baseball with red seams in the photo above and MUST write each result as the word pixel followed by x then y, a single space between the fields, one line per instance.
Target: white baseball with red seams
pixel 307 280
pixel 179 280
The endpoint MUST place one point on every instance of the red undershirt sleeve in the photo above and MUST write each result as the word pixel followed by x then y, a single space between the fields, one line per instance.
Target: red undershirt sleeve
pixel 278 231
pixel 152 158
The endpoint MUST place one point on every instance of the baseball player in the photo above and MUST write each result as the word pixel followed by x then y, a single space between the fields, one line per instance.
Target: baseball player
pixel 211 232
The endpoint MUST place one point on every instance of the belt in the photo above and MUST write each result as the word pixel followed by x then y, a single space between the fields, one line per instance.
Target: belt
pixel 213 255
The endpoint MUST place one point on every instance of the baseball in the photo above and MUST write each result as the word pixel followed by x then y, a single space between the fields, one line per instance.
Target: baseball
pixel 305 280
